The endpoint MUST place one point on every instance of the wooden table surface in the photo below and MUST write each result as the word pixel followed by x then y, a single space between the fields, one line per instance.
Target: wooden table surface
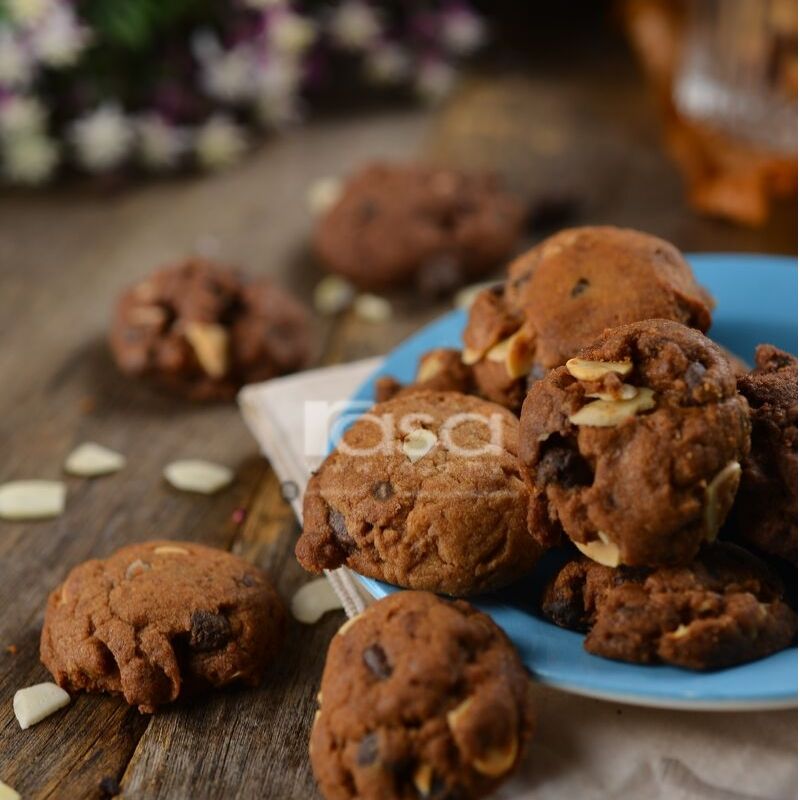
pixel 592 134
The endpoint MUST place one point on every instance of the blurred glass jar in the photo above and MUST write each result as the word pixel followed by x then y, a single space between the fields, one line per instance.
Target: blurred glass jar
pixel 737 70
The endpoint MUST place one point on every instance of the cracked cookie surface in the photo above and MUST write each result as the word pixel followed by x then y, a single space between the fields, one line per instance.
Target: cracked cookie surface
pixel 421 698
pixel 158 620
pixel 765 512
pixel 724 608
pixel 423 492
pixel 204 330
pixel 632 450
pixel 563 293
pixel 398 224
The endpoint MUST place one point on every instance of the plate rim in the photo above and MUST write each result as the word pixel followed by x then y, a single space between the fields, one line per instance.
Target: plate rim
pixel 636 698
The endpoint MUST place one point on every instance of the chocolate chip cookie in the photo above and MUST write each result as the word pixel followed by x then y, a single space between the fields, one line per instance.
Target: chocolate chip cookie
pixel 204 330
pixel 564 293
pixel 159 620
pixel 440 369
pixel 423 492
pixel 421 698
pixel 408 224
pixel 765 512
pixel 724 608
pixel 633 448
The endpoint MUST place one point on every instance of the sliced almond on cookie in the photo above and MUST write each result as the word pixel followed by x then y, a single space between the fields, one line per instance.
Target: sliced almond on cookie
pixel 626 392
pixel 609 413
pixel 430 365
pixel 498 760
pixel 585 370
pixel 471 356
pixel 719 497
pixel 418 444
pixel 515 352
pixel 602 550
pixel 210 344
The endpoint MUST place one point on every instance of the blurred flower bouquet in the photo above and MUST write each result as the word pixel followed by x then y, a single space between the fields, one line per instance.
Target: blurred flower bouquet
pixel 106 86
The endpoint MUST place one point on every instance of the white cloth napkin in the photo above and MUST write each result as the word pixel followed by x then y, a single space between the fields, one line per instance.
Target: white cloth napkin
pixel 583 749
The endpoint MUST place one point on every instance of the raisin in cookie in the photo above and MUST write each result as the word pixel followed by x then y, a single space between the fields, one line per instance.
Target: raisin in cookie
pixel 633 448
pixel 423 492
pixel 410 224
pixel 161 619
pixel 421 698
pixel 765 512
pixel 204 330
pixel 440 369
pixel 724 608
pixel 565 292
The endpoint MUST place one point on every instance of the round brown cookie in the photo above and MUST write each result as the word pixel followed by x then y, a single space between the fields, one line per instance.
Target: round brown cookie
pixel 633 448
pixel 204 330
pixel 423 492
pixel 161 619
pixel 420 698
pixel 563 293
pixel 765 512
pixel 440 370
pixel 724 608
pixel 399 224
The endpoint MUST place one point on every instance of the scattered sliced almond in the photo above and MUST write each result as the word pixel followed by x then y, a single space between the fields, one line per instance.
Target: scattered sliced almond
pixel 196 475
pixel 210 344
pixel 323 194
pixel 430 365
pixel 720 494
pixel 34 499
pixel 464 298
pixel 602 550
pixel 497 761
pixel 332 295
pixel 626 392
pixel 7 793
pixel 33 704
pixel 347 625
pixel 313 600
pixel 372 308
pixel 170 550
pixel 89 460
pixel 585 370
pixel 418 444
pixel 608 413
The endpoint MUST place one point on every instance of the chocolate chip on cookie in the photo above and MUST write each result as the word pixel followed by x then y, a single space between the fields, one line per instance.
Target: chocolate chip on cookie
pixel 396 225
pixel 157 620
pixel 204 330
pixel 765 512
pixel 420 698
pixel 565 292
pixel 423 492
pixel 723 608
pixel 633 448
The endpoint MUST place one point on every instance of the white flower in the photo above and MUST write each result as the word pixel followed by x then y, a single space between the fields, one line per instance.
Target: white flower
pixel 160 145
pixel 16 66
pixel 21 115
pixel 27 12
pixel 291 33
pixel 354 25
pixel 462 31
pixel 59 39
pixel 435 80
pixel 220 142
pixel 29 159
pixel 277 92
pixel 388 63
pixel 102 138
pixel 230 76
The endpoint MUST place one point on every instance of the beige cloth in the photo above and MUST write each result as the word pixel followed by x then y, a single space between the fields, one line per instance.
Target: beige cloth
pixel 583 749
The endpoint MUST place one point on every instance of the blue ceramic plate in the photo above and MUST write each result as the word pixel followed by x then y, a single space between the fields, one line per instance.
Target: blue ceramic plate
pixel 756 302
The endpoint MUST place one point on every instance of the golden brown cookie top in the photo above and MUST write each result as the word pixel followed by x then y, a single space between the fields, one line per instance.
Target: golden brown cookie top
pixel 158 617
pixel 423 492
pixel 420 697
pixel 633 448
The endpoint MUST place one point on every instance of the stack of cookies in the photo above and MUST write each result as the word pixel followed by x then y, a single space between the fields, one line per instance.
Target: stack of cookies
pixel 587 411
